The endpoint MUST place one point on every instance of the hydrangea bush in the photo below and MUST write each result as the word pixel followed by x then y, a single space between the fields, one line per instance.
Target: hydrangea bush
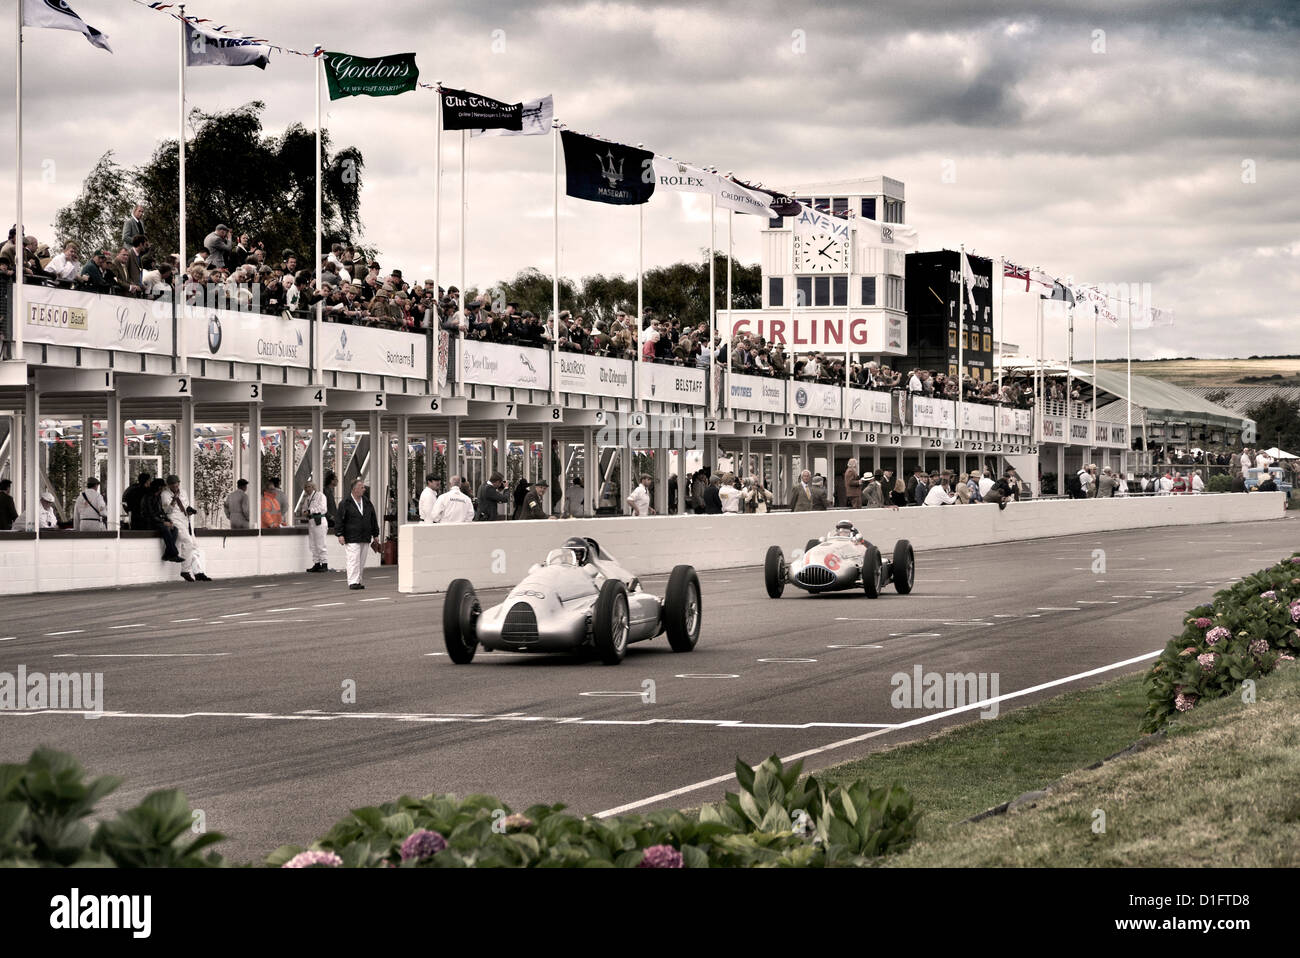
pixel 1247 631
pixel 775 820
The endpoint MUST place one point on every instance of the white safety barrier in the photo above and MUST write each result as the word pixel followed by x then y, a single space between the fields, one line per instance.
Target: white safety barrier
pixel 58 564
pixel 499 553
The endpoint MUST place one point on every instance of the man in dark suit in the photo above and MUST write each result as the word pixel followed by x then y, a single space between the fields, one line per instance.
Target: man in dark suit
pixel 806 496
pixel 491 496
pixel 711 497
pixel 358 527
pixel 133 225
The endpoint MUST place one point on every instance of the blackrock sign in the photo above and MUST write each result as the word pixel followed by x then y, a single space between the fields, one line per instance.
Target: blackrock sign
pixel 594 375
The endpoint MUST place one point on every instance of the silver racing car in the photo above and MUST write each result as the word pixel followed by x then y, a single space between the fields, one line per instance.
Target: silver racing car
pixel 580 597
pixel 841 560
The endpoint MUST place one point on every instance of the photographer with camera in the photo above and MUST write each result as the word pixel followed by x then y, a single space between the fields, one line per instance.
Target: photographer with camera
pixel 177 514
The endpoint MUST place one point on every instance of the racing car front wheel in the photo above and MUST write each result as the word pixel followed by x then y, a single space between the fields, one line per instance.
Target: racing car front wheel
pixel 871 572
pixel 460 612
pixel 610 622
pixel 682 609
pixel 904 569
pixel 774 572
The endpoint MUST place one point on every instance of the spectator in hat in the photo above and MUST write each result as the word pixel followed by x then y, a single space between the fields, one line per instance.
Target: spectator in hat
pixel 534 502
pixel 47 517
pixel 490 497
pixel 217 244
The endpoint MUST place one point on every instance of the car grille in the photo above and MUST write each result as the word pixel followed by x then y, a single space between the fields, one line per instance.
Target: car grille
pixel 816 575
pixel 520 624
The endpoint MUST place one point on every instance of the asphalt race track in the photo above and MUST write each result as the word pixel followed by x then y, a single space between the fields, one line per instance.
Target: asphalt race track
pixel 233 692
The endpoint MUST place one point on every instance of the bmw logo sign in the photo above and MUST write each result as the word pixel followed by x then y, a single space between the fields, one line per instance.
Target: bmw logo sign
pixel 214 335
pixel 343 339
pixel 801 397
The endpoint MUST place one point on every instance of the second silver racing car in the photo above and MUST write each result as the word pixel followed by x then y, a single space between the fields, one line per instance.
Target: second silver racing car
pixel 579 597
pixel 844 559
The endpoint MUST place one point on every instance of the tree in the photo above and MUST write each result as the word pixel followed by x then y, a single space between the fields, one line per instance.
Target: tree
pixel 213 479
pixel 532 290
pixel 235 174
pixel 94 219
pixel 63 469
pixel 1277 420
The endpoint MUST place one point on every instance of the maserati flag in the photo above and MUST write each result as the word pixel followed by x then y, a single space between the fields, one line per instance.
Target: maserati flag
pixel 606 172
pixel 57 15
pixel 535 118
pixel 207 48
pixel 363 76
pixel 462 110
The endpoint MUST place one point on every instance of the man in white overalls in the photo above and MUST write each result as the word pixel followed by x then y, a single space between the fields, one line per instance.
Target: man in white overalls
pixel 178 514
pixel 313 509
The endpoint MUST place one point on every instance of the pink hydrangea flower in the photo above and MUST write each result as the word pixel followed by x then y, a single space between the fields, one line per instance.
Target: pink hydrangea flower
pixel 1295 611
pixel 310 859
pixel 1217 634
pixel 1188 651
pixel 1258 647
pixel 517 822
pixel 1184 703
pixel 422 844
pixel 661 856
pixel 1206 660
pixel 1286 657
pixel 1270 595
pixel 1203 623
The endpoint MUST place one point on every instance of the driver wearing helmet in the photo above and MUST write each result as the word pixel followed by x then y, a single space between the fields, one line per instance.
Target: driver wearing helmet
pixel 596 565
pixel 844 529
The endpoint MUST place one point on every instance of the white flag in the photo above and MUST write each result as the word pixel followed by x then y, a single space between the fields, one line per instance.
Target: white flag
pixel 1151 316
pixel 896 235
pixel 1099 302
pixel 207 48
pixel 968 277
pixel 812 222
pixel 537 118
pixel 671 174
pixel 57 15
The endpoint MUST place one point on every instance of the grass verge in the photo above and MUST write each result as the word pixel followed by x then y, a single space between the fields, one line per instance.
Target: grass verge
pixel 1222 789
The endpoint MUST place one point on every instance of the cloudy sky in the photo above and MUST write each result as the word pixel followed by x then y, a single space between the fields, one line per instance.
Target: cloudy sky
pixel 1153 141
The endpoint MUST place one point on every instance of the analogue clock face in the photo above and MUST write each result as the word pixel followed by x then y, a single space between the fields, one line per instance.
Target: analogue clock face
pixel 819 253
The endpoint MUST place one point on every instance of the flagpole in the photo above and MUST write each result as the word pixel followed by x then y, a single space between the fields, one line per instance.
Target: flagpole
pixel 1128 389
pixel 180 186
pixel 20 234
pixel 562 479
pixel 1040 385
pixel 848 320
pixel 320 228
pixel 713 309
pixel 961 329
pixel 726 381
pixel 997 347
pixel 460 352
pixel 1094 375
pixel 437 205
pixel 1069 377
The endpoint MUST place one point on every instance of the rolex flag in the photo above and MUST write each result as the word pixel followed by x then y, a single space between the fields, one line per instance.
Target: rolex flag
pixel 535 118
pixel 364 76
pixel 462 110
pixel 897 235
pixel 57 15
pixel 670 174
pixel 606 172
pixel 208 48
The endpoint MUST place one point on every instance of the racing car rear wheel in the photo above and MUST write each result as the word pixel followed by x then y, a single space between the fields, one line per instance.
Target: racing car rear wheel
pixel 871 572
pixel 610 622
pixel 774 572
pixel 460 612
pixel 812 544
pixel 682 608
pixel 904 570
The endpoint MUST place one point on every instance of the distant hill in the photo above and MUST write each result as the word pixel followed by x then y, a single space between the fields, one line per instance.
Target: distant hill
pixel 1273 371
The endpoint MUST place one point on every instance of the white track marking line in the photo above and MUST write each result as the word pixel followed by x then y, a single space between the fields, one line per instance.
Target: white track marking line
pixel 138 655
pixel 66 632
pixel 325 605
pixel 292 608
pixel 709 675
pixel 269 585
pixel 662 796
pixel 785 661
pixel 133 625
pixel 235 615
pixel 274 621
pixel 8 638
pixel 469 718
pixel 637 694
pixel 378 598
pixel 1058 608
pixel 186 620
pixel 914 635
pixel 856 647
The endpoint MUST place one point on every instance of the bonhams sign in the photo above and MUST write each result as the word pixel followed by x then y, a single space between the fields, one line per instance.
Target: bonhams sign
pixel 66 317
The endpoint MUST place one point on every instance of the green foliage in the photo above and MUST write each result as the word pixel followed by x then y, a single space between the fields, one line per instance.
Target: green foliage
pixel 43 807
pixel 1262 631
pixel 63 469
pixel 213 479
pixel 234 173
pixel 775 820
pixel 1219 482
pixel 1277 420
